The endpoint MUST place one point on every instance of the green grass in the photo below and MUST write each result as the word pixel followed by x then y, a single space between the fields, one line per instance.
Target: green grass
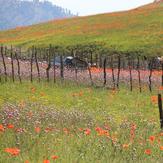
pixel 78 108
pixel 135 30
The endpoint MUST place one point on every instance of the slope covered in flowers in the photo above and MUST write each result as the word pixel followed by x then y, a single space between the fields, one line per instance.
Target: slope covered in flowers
pixel 140 29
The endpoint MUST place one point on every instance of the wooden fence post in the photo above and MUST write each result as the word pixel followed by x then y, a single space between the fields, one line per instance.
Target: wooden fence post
pixel 119 69
pixel 0 76
pixel 130 70
pixel 162 73
pixel 32 64
pixel 49 65
pixel 12 64
pixel 139 78
pixel 3 60
pixel 61 67
pixel 16 56
pixel 112 68
pixel 89 71
pixel 91 59
pixel 37 65
pixel 96 60
pixel 76 71
pixel 160 110
pixel 54 73
pixel 104 65
pixel 150 75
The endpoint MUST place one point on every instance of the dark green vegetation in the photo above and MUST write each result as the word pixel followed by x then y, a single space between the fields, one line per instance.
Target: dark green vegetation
pixel 135 31
pixel 22 13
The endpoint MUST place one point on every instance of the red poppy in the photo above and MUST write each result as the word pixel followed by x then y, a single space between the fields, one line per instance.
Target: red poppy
pixel 55 157
pixel 10 126
pixel 148 152
pixel 87 131
pixel 37 130
pixel 152 138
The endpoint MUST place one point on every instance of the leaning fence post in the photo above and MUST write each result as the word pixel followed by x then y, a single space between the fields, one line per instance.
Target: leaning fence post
pixel 104 71
pixel 76 71
pixel 54 75
pixel 138 69
pixel 12 64
pixel 112 68
pixel 119 69
pixel 150 75
pixel 37 65
pixel 49 65
pixel 162 73
pixel 16 56
pixel 3 60
pixel 129 62
pixel 61 67
pixel 160 110
pixel 89 70
pixel 32 65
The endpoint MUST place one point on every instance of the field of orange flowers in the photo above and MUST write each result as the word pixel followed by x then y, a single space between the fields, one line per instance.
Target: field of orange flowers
pixel 68 123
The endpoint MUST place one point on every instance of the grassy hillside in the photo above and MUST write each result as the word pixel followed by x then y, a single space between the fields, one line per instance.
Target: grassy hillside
pixel 140 29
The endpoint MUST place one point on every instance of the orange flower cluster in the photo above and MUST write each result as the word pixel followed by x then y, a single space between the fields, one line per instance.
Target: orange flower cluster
pixel 154 99
pixel 132 132
pixel 78 94
pixel 33 89
pixel 102 132
pixel 125 146
pixel 13 151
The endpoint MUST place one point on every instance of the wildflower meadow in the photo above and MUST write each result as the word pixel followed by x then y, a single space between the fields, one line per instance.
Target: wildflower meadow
pixel 49 122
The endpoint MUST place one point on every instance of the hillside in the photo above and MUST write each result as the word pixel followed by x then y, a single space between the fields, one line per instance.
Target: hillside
pixel 20 13
pixel 140 30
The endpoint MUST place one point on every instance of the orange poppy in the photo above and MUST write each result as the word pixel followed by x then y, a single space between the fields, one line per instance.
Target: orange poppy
pixel 10 126
pixel 33 89
pixel 55 157
pixel 87 131
pixel 161 88
pixel 154 99
pixel 148 152
pixel 46 161
pixel 42 94
pixel 2 128
pixel 161 148
pixel 26 161
pixel 13 151
pixel 161 134
pixel 152 138
pixel 125 146
pixel 37 130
